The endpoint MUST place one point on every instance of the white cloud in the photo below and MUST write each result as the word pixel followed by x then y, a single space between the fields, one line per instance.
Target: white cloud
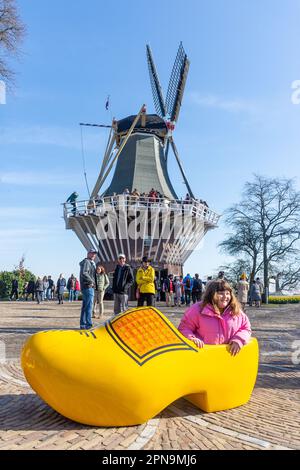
pixel 235 105
pixel 94 139
pixel 26 212
pixel 13 235
pixel 35 178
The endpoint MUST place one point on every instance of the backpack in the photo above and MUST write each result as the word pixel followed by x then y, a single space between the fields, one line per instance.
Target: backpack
pixel 188 283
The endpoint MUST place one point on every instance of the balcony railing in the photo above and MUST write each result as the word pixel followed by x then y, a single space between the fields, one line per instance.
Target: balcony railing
pixel 128 202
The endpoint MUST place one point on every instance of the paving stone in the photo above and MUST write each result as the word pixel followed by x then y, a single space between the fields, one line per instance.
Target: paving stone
pixel 269 421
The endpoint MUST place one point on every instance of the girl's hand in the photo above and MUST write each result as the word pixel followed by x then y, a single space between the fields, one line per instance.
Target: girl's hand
pixel 234 348
pixel 197 341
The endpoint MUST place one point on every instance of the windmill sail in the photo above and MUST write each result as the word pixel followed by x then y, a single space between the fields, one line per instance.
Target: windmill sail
pixel 158 99
pixel 177 83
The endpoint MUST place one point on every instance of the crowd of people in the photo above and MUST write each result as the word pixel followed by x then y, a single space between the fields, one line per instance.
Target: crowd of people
pixel 214 302
pixel 44 289
pixel 153 196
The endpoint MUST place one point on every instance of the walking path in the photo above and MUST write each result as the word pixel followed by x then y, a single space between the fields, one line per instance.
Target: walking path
pixel 269 421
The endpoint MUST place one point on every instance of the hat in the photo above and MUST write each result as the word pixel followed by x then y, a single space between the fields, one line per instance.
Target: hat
pixel 121 255
pixel 145 259
pixel 92 250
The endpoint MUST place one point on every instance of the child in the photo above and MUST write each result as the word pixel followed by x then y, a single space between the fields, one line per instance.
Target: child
pixel 218 319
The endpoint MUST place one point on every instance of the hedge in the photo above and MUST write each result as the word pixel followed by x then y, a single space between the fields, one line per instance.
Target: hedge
pixel 284 299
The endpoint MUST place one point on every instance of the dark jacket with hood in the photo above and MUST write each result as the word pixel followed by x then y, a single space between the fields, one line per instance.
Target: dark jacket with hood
pixel 87 273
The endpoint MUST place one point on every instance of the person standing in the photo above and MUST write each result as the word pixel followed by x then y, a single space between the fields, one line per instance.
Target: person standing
pixel 242 291
pixel 71 287
pixel 60 288
pixel 255 294
pixel 102 283
pixel 178 291
pixel 196 289
pixel 30 290
pixel 39 288
pixel 72 200
pixel 50 288
pixel 170 290
pixel 45 287
pixel 188 285
pixel 14 289
pixel 77 288
pixel 145 278
pixel 123 279
pixel 87 282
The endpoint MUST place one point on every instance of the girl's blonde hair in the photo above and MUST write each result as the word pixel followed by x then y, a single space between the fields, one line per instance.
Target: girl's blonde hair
pixel 210 296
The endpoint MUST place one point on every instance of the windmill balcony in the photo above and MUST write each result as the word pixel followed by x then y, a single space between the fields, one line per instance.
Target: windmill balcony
pixel 100 206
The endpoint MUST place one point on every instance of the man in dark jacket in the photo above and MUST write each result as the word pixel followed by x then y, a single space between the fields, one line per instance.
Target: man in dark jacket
pixel 87 282
pixel 197 289
pixel 14 289
pixel 123 279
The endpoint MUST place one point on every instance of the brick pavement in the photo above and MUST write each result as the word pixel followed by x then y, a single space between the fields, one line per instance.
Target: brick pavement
pixel 269 421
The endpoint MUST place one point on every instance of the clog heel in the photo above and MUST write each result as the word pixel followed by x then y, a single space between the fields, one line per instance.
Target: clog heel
pixel 133 366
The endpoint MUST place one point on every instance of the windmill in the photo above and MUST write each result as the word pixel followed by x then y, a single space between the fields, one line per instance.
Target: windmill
pixel 126 217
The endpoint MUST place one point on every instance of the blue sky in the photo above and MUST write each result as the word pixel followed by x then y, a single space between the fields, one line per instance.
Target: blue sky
pixel 237 116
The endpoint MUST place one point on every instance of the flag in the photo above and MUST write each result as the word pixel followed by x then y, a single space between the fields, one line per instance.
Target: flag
pixel 107 103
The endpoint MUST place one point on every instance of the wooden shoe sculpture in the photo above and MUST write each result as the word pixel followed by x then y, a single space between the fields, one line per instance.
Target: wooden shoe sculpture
pixel 133 366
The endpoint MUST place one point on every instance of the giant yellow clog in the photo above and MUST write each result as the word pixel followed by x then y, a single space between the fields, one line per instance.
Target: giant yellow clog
pixel 129 369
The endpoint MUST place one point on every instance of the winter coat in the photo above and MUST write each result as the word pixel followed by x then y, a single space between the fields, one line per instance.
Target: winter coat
pixel 255 295
pixel 60 285
pixel 102 282
pixel 71 283
pixel 242 291
pixel 77 285
pixel 188 283
pixel 212 328
pixel 87 273
pixel 167 285
pixel 145 280
pixel 121 286
pixel 39 285
pixel 197 286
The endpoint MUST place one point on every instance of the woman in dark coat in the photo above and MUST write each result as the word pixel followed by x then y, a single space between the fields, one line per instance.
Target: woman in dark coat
pixel 60 288
pixel 255 295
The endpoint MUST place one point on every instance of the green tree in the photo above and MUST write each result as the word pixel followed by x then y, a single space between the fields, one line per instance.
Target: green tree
pixel 6 278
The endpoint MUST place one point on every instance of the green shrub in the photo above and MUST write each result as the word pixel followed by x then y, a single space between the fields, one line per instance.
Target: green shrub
pixel 6 278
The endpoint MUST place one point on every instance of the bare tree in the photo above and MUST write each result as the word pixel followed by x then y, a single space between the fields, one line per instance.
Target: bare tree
pixel 234 270
pixel 12 31
pixel 286 276
pixel 270 210
pixel 245 241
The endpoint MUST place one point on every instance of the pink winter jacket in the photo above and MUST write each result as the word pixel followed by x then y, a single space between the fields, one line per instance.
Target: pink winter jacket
pixel 215 329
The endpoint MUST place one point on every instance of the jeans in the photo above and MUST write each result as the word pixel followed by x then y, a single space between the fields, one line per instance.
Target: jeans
pixel 187 294
pixel 71 295
pixel 49 293
pixel 121 303
pixel 87 308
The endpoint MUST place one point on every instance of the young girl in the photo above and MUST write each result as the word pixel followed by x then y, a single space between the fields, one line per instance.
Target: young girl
pixel 217 319
pixel 102 283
